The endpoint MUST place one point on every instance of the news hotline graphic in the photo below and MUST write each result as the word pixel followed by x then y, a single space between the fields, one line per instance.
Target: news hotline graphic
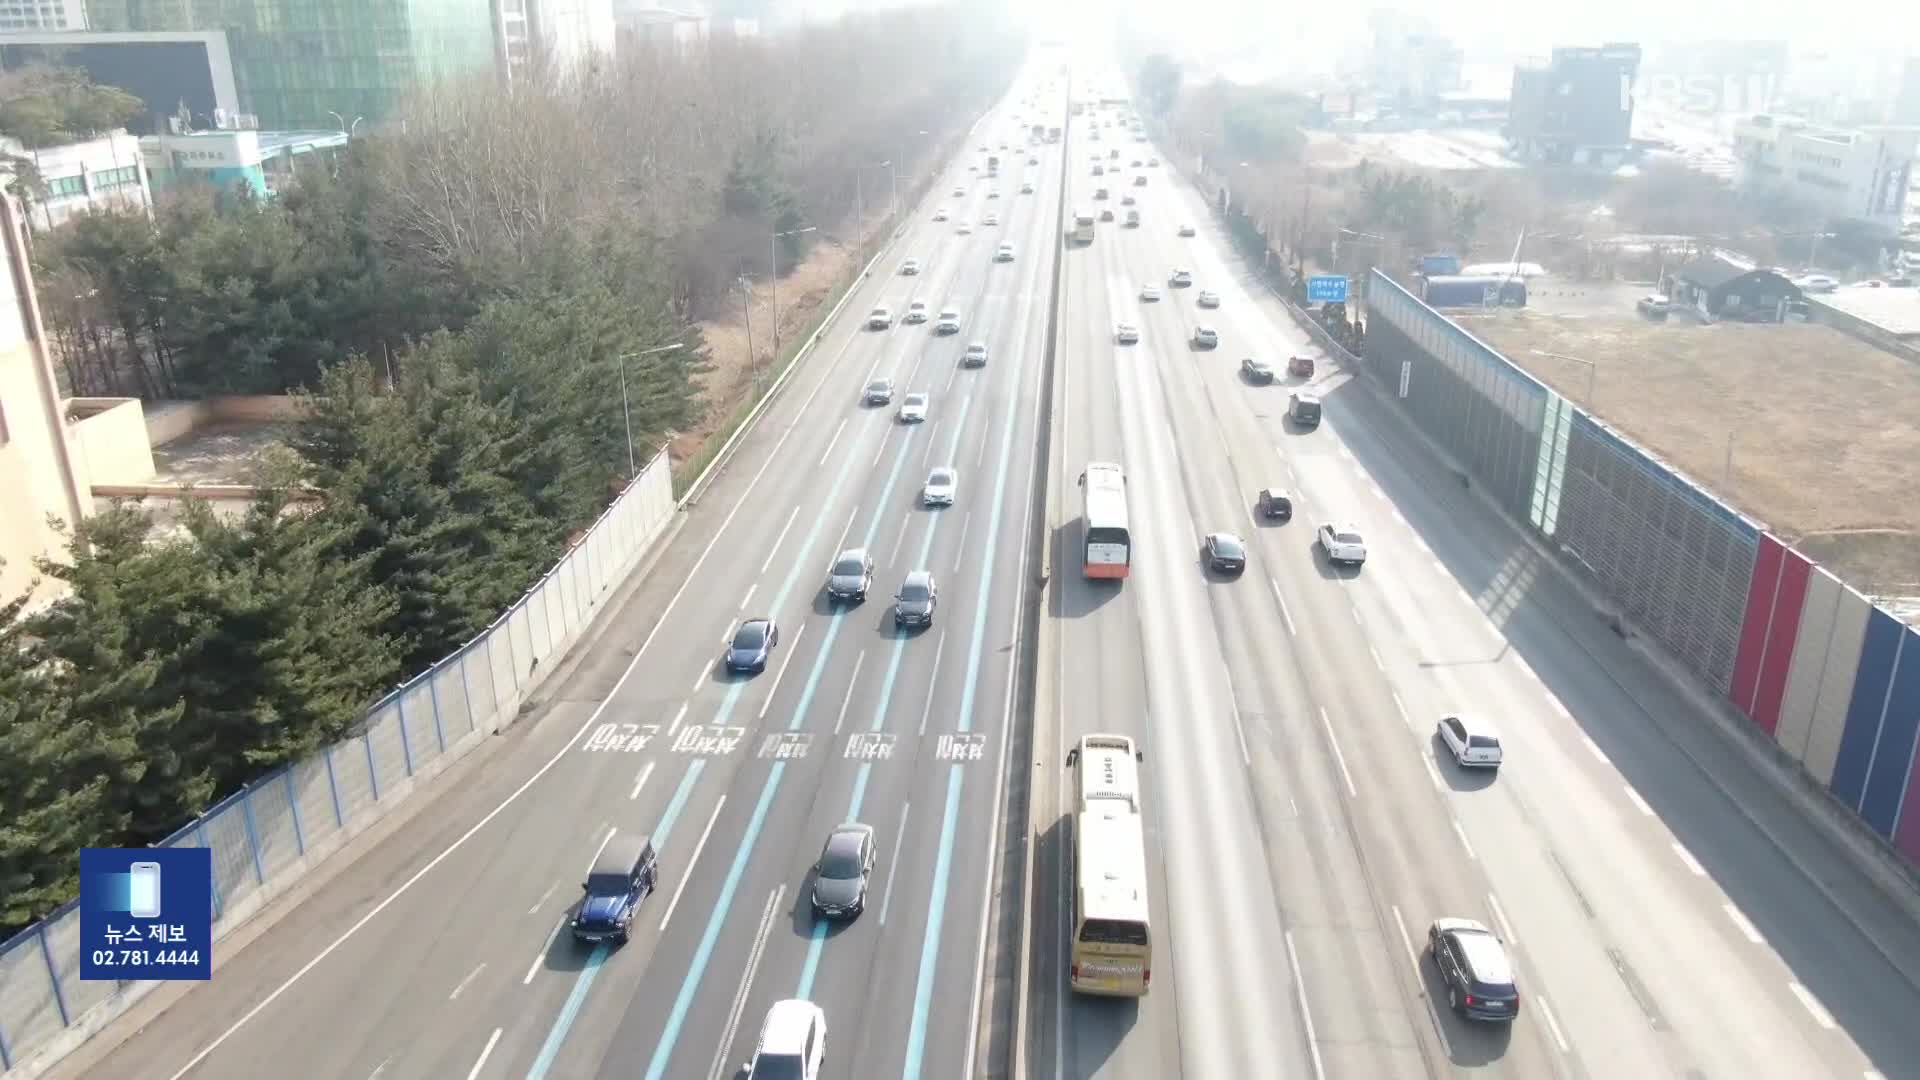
pixel 146 913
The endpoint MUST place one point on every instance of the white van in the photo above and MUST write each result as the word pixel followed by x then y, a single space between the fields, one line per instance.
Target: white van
pixel 793 1043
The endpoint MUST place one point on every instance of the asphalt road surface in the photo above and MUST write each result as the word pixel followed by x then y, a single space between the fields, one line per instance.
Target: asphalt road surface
pixel 420 961
pixel 1305 826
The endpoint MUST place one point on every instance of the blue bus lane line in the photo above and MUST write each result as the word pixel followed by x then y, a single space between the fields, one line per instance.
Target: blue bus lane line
pixel 569 1013
pixel 703 954
pixel 943 862
pixel 817 939
pixel 590 970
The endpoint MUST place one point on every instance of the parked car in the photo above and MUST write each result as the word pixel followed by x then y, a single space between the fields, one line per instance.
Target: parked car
pixel 1653 306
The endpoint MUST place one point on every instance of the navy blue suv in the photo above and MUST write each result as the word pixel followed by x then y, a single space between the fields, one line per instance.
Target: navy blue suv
pixel 624 872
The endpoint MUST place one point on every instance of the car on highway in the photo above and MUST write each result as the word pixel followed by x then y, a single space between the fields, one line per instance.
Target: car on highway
pixel 850 575
pixel 1004 253
pixel 1301 366
pixel 878 392
pixel 840 876
pixel 1140 181
pixel 792 1045
pixel 914 409
pixel 1207 299
pixel 1136 163
pixel 752 645
pixel 940 214
pixel 909 267
pixel 1113 154
pixel 1274 504
pixel 949 321
pixel 1225 553
pixel 1180 279
pixel 975 356
pixel 1033 161
pixel 1133 219
pixel 1475 969
pixel 941 488
pixel 1303 409
pixel 1473 742
pixel 1099 194
pixel 1342 543
pixel 1256 371
pixel 1127 200
pixel 1149 293
pixel 914 604
pixel 993 193
pixel 965 228
pixel 1153 163
pixel 880 318
pixel 1126 334
pixel 990 219
pixel 1099 170
pixel 916 312
pixel 1106 215
pixel 1186 230
pixel 624 871
pixel 1205 337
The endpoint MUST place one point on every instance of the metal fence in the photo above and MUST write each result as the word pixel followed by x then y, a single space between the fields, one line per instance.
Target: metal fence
pixel 273 831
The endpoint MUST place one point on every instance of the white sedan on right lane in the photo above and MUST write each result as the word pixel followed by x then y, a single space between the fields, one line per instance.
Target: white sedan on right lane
pixel 1342 542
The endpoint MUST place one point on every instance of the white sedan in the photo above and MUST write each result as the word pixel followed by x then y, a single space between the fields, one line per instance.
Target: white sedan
pixel 1149 293
pixel 914 409
pixel 1208 298
pixel 1126 334
pixel 1342 543
pixel 941 485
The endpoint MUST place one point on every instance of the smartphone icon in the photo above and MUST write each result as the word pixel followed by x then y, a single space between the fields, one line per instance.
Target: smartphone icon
pixel 143 894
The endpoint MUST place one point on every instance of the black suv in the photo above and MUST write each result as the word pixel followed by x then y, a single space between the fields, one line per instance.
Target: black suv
pixel 1475 969
pixel 623 873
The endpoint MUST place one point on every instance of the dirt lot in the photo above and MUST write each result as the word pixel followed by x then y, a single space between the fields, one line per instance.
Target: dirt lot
pixel 1824 430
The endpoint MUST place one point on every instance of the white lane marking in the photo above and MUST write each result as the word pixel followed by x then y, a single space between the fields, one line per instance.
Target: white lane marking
pixel 1553 1024
pixel 687 874
pixel 545 946
pixel 455 996
pixel 831 443
pixel 1594 749
pixel 1686 856
pixel 1820 1014
pixel 1500 916
pixel 1338 757
pixel 1306 1014
pixel 960 557
pixel 1439 567
pixel 1413 957
pixel 1743 923
pixel 732 1026
pixel 1397 517
pixel 1371 651
pixel 900 540
pixel 596 851
pixel 1233 701
pixel 1344 452
pixel 674 726
pixel 852 685
pixel 747 599
pixel 1422 545
pixel 1872 1074
pixel 980 459
pixel 1525 668
pixel 1559 707
pixel 841 545
pixel 882 450
pixel 1461 832
pixel 1433 773
pixel 1355 612
pixel 543 898
pixel 485 1053
pixel 928 456
pixel 792 648
pixel 380 1069
pixel 1404 714
pixel 778 540
pixel 952 374
pixel 1282 601
pixel 887 901
pixel 641 781
pixel 1375 488
pixel 927 708
pixel 1638 802
pixel 702 674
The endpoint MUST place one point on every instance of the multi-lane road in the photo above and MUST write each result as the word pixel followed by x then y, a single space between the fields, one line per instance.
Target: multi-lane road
pixel 449 963
pixel 1303 827
pixel 1303 830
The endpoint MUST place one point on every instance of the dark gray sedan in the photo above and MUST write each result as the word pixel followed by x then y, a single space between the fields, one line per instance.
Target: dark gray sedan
pixel 914 604
pixel 840 877
pixel 752 645
pixel 1226 553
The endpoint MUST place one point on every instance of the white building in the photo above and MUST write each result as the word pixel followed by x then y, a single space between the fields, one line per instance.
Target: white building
pixel 99 174
pixel 554 36
pixel 1859 175
pixel 43 15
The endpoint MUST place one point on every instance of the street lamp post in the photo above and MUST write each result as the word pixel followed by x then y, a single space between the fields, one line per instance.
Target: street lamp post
pixel 773 281
pixel 626 413
pixel 344 126
pixel 1377 241
pixel 1593 370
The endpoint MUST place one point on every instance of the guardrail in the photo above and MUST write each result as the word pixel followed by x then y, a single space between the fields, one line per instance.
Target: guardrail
pixel 270 833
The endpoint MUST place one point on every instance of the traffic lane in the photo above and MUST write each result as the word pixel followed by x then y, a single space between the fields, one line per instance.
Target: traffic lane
pixel 1417 872
pixel 1337 924
pixel 1227 988
pixel 1742 866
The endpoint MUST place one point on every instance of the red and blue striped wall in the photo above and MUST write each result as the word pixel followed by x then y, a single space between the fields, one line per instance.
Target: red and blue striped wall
pixel 1836 682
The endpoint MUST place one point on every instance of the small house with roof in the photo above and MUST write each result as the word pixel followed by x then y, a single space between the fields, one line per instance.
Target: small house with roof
pixel 1716 287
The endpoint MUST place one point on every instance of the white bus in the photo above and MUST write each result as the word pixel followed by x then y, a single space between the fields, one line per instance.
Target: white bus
pixel 1107 548
pixel 1112 945
pixel 1083 226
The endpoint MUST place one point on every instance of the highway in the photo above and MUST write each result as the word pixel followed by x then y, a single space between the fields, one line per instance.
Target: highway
pixel 1305 825
pixel 442 952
